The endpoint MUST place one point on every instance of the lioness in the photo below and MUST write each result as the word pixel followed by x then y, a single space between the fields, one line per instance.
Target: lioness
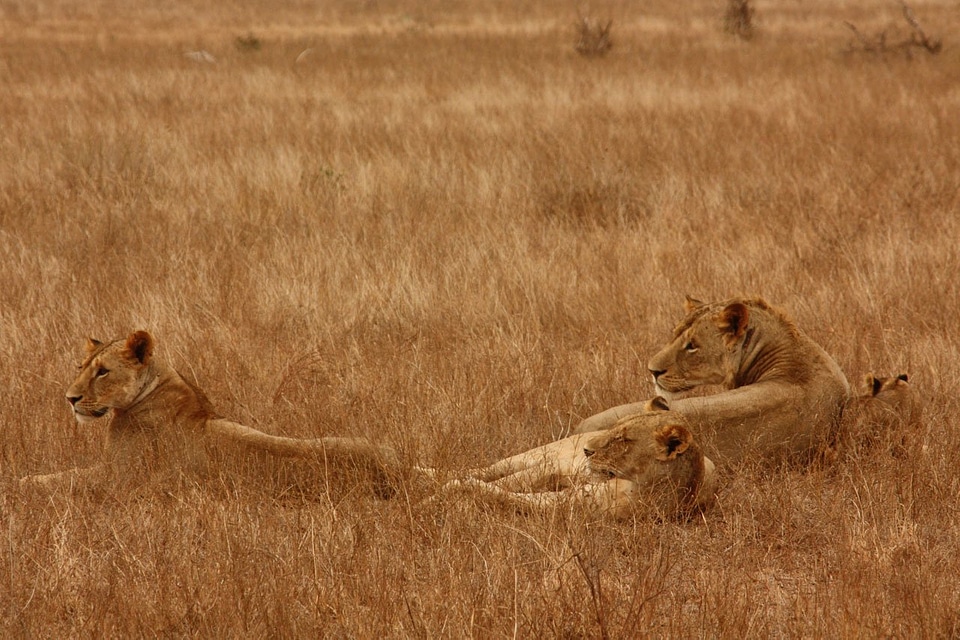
pixel 161 422
pixel 887 414
pixel 645 464
pixel 783 394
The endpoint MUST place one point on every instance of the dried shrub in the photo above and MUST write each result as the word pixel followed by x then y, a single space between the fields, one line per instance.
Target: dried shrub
pixel 593 37
pixel 880 44
pixel 738 19
pixel 248 43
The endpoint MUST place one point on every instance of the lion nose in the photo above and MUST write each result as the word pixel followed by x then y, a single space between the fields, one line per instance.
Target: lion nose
pixel 587 452
pixel 656 373
pixel 73 400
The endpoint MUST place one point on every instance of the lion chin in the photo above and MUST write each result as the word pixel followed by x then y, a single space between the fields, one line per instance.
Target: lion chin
pixel 86 418
pixel 666 394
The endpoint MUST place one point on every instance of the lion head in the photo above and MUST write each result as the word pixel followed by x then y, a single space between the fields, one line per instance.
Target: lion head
pixel 733 344
pixel 885 415
pixel 703 349
pixel 113 375
pixel 663 461
pixel 887 409
pixel 888 388
pixel 888 400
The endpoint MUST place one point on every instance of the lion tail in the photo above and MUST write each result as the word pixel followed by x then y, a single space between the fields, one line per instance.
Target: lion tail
pixel 358 452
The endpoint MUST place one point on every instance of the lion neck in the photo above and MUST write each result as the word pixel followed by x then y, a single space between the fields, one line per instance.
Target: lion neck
pixel 156 381
pixel 770 350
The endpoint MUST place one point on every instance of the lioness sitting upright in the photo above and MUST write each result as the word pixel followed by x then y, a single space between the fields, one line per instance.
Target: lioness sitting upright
pixel 160 422
pixel 783 395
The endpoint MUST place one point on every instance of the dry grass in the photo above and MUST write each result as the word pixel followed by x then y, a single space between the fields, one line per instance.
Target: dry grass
pixel 443 229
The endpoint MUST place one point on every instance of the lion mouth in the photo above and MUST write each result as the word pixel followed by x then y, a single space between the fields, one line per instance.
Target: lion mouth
pixel 670 388
pixel 90 414
pixel 603 474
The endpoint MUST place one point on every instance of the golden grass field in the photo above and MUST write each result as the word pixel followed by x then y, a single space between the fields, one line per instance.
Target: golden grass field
pixel 443 229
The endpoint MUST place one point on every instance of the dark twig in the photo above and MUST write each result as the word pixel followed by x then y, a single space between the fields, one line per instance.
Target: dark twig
pixel 879 43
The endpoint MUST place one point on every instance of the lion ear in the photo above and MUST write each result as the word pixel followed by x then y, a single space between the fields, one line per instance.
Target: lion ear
pixel 691 304
pixel 657 403
pixel 873 384
pixel 92 345
pixel 139 346
pixel 733 320
pixel 671 440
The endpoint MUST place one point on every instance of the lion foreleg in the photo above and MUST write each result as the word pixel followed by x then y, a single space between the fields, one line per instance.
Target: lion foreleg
pixel 560 459
pixel 496 496
pixel 537 459
pixel 615 497
pixel 606 419
pixel 80 478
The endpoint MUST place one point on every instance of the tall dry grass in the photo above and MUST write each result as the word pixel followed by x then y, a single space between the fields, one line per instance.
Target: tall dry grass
pixel 444 229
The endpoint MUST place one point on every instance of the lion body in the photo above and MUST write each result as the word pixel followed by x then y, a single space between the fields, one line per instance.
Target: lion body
pixel 782 396
pixel 887 415
pixel 160 422
pixel 645 465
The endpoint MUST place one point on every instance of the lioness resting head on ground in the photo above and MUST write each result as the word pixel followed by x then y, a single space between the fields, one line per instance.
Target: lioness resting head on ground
pixel 886 415
pixel 783 393
pixel 161 423
pixel 646 465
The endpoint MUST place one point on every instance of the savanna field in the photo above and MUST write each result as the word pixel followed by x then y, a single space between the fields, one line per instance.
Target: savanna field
pixel 437 225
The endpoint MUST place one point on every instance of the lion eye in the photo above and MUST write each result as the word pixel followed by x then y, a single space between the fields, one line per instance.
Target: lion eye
pixel 102 372
pixel 691 347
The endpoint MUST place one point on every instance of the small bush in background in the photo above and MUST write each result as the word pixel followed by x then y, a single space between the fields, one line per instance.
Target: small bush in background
pixel 248 43
pixel 738 19
pixel 880 44
pixel 593 37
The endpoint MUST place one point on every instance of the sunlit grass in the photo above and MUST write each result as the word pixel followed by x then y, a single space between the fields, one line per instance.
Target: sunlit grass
pixel 445 230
